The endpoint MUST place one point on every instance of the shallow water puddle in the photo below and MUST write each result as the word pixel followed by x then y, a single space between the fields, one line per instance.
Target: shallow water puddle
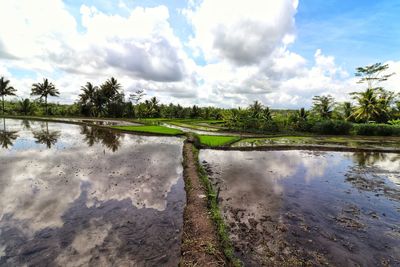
pixel 298 207
pixel 76 195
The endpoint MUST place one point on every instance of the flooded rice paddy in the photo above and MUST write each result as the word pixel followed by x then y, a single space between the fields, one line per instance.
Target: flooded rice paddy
pixel 296 208
pixel 82 196
pixel 371 142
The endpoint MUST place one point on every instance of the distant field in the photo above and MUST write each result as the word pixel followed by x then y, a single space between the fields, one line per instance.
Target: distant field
pixel 154 129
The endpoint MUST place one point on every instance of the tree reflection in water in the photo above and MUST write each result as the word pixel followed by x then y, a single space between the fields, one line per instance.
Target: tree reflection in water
pixel 364 159
pixel 26 124
pixel 46 137
pixel 108 138
pixel 7 138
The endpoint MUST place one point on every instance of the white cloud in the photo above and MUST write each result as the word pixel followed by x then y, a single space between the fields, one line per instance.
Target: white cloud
pixel 243 32
pixel 245 46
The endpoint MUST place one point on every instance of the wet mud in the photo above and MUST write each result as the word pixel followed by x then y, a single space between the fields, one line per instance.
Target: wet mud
pixel 82 196
pixel 299 208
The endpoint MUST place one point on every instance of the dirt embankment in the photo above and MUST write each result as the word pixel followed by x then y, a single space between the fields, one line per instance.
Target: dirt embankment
pixel 200 246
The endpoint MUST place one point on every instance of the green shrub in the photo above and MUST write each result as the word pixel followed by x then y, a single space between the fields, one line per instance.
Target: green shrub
pixel 394 122
pixel 302 125
pixel 376 129
pixel 334 127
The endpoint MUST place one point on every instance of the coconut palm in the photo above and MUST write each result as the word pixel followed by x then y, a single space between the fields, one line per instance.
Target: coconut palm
pixel 302 114
pixel 346 109
pixel 266 114
pixel 110 88
pixel 5 89
pixel 322 105
pixel 43 90
pixel 88 97
pixel 256 109
pixel 25 106
pixel 88 93
pixel 7 138
pixel 46 137
pixel 368 105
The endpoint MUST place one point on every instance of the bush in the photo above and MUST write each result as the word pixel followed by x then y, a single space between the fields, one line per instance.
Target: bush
pixel 334 127
pixel 376 129
pixel 302 125
pixel 394 122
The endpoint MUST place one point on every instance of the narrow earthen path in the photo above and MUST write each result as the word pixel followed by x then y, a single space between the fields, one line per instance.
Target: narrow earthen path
pixel 200 246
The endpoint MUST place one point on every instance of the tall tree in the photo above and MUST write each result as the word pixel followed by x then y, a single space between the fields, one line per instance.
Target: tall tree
pixel 111 88
pixel 137 96
pixel 302 114
pixel 322 106
pixel 5 89
pixel 113 98
pixel 374 103
pixel 25 106
pixel 373 74
pixel 88 98
pixel 44 90
pixel 368 105
pixel 256 109
pixel 347 109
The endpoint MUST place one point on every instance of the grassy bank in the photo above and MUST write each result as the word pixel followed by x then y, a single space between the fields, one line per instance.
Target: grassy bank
pixel 222 228
pixel 152 129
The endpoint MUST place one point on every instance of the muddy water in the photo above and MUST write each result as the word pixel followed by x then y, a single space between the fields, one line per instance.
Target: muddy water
pixel 79 196
pixel 293 208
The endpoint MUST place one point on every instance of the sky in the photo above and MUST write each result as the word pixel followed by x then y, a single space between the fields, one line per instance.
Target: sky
pixel 204 52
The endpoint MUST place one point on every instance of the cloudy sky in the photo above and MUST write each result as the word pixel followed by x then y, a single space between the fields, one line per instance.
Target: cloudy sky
pixel 224 53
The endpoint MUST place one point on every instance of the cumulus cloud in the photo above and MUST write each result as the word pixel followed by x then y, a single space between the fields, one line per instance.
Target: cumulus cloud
pixel 243 32
pixel 236 52
pixel 141 45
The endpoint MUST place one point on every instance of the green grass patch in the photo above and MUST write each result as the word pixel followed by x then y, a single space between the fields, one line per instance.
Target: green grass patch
pixel 193 126
pixel 153 129
pixel 212 202
pixel 217 140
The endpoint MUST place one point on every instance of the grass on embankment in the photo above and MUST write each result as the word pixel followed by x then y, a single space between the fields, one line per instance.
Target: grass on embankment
pixel 152 129
pixel 212 199
pixel 217 140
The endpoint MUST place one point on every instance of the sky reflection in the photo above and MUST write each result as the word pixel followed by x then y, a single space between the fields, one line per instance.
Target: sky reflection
pixel 83 168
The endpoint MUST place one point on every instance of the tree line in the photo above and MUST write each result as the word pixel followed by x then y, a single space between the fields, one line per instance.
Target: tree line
pixel 374 104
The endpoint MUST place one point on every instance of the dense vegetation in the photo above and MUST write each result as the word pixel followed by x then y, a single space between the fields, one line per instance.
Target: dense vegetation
pixel 375 111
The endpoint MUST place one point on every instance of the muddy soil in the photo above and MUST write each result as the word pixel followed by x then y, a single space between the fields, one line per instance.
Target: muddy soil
pixel 200 246
pixel 82 196
pixel 298 208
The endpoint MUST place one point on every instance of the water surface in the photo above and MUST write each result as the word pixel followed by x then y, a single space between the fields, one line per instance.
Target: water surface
pixel 82 196
pixel 309 208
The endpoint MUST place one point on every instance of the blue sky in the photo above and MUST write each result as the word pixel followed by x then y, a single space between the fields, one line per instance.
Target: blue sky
pixel 355 32
pixel 225 53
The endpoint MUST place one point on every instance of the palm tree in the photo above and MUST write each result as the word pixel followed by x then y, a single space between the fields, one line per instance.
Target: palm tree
pixel 368 105
pixel 256 109
pixel 266 114
pixel 111 88
pixel 154 106
pixel 7 138
pixel 88 92
pixel 46 137
pixel 25 106
pixel 347 109
pixel 322 105
pixel 88 97
pixel 43 90
pixel 302 114
pixel 5 89
pixel 386 99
